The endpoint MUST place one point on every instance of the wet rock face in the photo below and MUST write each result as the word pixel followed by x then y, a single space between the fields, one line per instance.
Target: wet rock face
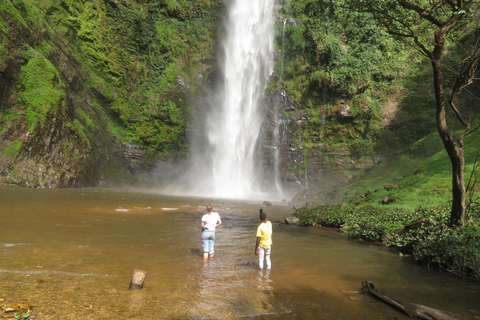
pixel 298 170
pixel 55 153
pixel 275 143
pixel 289 21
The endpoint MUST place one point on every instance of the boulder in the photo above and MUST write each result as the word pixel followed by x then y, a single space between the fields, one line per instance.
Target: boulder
pixel 389 187
pixel 292 221
pixel 388 199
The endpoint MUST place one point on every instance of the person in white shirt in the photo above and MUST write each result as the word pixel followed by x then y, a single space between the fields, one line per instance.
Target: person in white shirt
pixel 210 221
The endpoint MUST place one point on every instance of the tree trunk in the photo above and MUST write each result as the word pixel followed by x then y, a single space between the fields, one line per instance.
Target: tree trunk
pixel 138 278
pixel 457 215
pixel 454 150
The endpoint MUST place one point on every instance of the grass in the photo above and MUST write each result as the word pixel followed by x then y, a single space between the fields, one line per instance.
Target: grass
pixel 418 182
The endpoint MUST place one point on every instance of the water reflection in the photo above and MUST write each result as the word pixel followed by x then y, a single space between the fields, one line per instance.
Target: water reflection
pixel 71 254
pixel 264 284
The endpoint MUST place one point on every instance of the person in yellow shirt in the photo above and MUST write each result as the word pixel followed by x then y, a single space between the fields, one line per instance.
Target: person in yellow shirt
pixel 263 247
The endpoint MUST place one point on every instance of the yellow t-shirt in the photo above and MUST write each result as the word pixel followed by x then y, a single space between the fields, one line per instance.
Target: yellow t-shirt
pixel 264 232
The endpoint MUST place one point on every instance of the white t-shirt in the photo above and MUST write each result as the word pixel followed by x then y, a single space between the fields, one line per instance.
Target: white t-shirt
pixel 211 220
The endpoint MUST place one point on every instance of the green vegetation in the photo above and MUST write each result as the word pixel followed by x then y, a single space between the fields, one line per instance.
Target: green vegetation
pixel 14 170
pixel 13 11
pixel 3 52
pixel 80 130
pixel 138 49
pixel 7 116
pixel 419 174
pixel 423 196
pixel 22 316
pixel 422 232
pixel 368 70
pixel 88 121
pixel 42 88
pixel 334 57
pixel 132 53
pixel 13 149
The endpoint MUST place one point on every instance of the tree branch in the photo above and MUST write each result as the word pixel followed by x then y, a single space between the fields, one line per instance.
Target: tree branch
pixel 465 78
pixel 424 13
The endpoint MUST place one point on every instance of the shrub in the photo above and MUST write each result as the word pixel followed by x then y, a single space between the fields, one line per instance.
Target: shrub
pixel 430 240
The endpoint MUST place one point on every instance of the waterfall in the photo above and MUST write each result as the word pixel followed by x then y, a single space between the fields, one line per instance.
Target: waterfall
pixel 227 166
pixel 276 149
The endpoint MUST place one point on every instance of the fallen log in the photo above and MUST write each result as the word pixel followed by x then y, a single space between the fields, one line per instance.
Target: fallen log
pixel 415 311
pixel 138 278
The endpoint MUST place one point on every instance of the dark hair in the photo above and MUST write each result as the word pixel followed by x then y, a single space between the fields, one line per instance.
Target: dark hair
pixel 263 215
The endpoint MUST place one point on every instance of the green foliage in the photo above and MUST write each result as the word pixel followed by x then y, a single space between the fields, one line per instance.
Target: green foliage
pixel 13 149
pixel 134 49
pixel 3 51
pixel 433 243
pixel 7 116
pixel 89 21
pixel 343 50
pixel 22 316
pixel 87 119
pixel 117 130
pixel 419 182
pixel 361 147
pixel 13 171
pixel 337 54
pixel 158 126
pixel 80 130
pixel 8 7
pixel 4 29
pixel 42 89
pixel 367 223
pixel 430 241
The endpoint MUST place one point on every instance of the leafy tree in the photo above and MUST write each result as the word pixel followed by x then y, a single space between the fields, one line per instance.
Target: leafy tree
pixel 432 25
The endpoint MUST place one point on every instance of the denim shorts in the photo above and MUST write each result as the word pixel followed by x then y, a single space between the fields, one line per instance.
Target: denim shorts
pixel 208 238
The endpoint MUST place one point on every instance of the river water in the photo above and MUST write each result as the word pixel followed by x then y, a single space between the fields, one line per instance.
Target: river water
pixel 70 254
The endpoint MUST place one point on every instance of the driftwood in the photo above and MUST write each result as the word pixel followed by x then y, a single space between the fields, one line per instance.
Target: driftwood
pixel 138 278
pixel 415 311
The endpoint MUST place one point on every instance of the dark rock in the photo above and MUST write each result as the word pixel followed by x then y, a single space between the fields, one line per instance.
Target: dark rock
pixel 291 221
pixel 386 238
pixel 366 194
pixel 415 224
pixel 357 201
pixel 389 187
pixel 388 199
pixel 341 110
pixel 289 21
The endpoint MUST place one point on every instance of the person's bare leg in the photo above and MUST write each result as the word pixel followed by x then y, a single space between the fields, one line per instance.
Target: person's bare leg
pixel 211 256
pixel 205 256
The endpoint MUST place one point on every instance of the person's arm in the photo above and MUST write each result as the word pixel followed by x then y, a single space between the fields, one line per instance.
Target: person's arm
pixel 256 246
pixel 219 222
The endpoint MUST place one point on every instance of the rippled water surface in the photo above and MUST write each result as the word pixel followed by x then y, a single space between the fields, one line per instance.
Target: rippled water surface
pixel 70 254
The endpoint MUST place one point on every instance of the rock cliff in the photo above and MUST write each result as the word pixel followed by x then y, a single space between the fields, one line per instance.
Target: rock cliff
pixel 48 139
